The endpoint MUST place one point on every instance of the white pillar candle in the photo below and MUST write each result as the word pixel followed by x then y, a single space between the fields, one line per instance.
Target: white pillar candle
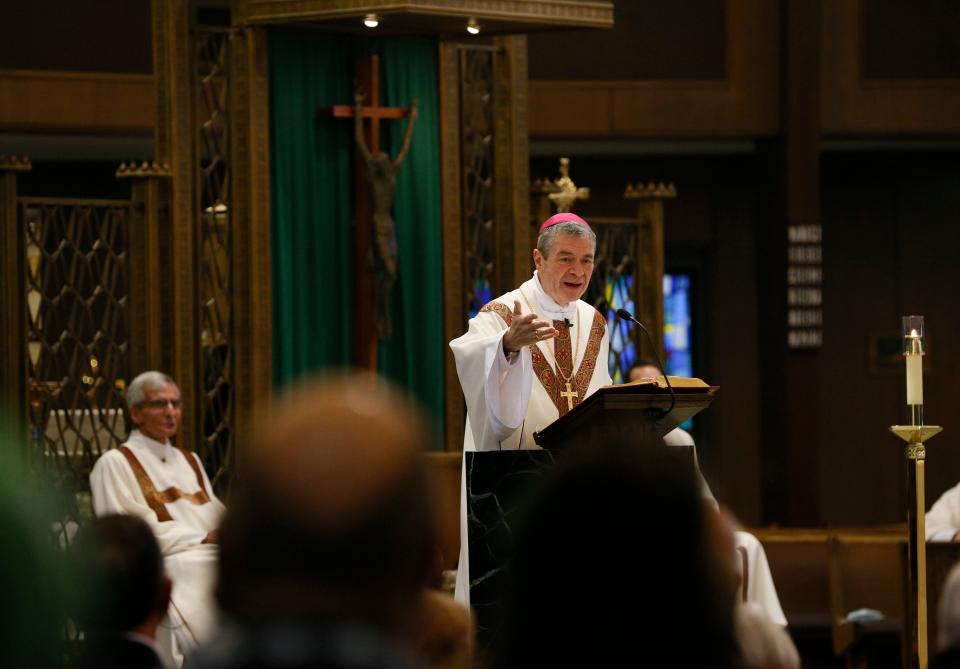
pixel 914 379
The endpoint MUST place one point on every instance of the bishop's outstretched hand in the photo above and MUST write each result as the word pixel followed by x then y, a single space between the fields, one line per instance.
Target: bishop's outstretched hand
pixel 526 329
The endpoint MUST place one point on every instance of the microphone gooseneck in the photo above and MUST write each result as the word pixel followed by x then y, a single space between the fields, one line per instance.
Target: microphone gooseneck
pixel 627 316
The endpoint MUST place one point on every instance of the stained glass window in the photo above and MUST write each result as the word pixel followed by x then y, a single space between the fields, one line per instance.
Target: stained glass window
pixel 676 324
pixel 618 293
pixel 479 296
pixel 676 328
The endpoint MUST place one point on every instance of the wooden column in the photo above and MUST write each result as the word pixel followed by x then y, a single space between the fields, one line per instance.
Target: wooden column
pixel 13 390
pixel 513 263
pixel 454 291
pixel 251 261
pixel 147 339
pixel 174 145
pixel 650 262
pixel 512 162
pixel 790 378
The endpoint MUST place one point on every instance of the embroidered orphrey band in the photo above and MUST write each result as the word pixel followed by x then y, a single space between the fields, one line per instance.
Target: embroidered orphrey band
pixel 157 500
pixel 195 467
pixel 501 310
pixel 545 372
pixel 581 381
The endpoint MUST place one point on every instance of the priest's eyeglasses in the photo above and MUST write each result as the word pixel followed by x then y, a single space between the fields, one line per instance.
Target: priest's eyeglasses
pixel 160 404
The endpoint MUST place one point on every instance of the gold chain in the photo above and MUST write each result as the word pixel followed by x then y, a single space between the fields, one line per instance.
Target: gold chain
pixel 573 353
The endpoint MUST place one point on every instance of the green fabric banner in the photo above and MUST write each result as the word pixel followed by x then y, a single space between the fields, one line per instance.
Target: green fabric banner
pixel 312 210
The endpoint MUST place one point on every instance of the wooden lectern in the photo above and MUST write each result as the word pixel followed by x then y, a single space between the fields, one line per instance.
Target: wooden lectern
pixel 628 412
pixel 500 483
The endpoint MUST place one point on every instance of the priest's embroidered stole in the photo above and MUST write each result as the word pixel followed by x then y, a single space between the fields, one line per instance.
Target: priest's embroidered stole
pixel 157 500
pixel 553 383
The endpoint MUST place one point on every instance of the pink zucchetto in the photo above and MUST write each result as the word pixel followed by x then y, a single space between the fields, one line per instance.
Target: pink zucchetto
pixel 563 217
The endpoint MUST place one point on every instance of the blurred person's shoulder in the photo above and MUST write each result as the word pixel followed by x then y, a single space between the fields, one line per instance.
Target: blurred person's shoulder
pixel 299 647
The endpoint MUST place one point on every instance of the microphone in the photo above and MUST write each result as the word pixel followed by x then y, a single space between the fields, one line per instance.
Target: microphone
pixel 568 322
pixel 627 316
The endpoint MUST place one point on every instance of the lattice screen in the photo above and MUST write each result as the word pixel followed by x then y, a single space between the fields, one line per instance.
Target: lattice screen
pixel 477 154
pixel 216 315
pixel 76 344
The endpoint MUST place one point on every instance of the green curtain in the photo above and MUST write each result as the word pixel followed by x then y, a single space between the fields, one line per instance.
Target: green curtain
pixel 312 190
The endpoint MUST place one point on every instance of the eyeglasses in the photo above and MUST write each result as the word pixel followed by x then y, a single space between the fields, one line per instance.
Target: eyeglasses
pixel 160 404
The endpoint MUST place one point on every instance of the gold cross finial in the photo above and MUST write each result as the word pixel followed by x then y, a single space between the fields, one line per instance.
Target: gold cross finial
pixel 568 192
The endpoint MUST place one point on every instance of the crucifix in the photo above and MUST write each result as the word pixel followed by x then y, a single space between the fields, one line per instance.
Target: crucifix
pixel 569 395
pixel 374 241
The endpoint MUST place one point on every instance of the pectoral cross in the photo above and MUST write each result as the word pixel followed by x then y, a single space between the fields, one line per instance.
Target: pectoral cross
pixel 570 394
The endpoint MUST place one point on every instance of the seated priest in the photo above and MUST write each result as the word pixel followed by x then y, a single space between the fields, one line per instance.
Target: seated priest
pixel 943 519
pixel 531 355
pixel 166 486
pixel 757 586
pixel 647 369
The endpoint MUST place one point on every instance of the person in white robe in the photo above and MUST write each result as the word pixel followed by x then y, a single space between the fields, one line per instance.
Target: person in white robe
pixel 166 486
pixel 531 355
pixel 757 588
pixel 943 518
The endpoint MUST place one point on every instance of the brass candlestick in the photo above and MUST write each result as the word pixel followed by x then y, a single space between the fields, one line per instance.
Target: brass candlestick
pixel 915 435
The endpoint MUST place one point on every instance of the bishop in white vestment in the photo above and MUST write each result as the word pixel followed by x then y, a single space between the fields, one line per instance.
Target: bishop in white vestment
pixel 531 355
pixel 167 487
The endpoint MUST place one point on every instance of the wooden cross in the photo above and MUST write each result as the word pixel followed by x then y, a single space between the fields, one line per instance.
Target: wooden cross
pixel 365 336
pixel 569 395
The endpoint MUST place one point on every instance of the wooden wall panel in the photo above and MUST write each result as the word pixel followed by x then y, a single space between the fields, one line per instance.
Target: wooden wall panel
pixel 650 39
pixel 87 102
pixel 890 240
pixel 101 36
pixel 742 105
pixel 854 105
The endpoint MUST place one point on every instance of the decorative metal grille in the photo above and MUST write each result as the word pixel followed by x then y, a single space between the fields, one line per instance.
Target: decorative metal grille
pixel 477 154
pixel 77 360
pixel 612 288
pixel 213 142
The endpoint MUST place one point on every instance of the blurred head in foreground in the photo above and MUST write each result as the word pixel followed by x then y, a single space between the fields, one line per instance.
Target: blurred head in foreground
pixel 124 573
pixel 333 522
pixel 33 571
pixel 617 561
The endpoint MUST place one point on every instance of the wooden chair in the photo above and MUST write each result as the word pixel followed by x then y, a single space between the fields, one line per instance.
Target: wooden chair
pixel 868 571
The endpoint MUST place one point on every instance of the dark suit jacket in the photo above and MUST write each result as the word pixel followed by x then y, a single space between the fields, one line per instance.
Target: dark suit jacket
pixel 119 652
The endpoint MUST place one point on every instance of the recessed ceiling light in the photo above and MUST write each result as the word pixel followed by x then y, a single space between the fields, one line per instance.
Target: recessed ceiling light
pixel 371 20
pixel 473 27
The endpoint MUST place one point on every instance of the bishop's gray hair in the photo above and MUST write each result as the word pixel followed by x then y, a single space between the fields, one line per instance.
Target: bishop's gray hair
pixel 136 391
pixel 565 229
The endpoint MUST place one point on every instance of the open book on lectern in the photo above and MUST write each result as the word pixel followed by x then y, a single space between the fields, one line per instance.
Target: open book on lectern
pixel 657 383
pixel 636 410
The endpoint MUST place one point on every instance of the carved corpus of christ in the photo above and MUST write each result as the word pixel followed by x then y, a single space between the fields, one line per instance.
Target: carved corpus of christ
pixel 382 179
